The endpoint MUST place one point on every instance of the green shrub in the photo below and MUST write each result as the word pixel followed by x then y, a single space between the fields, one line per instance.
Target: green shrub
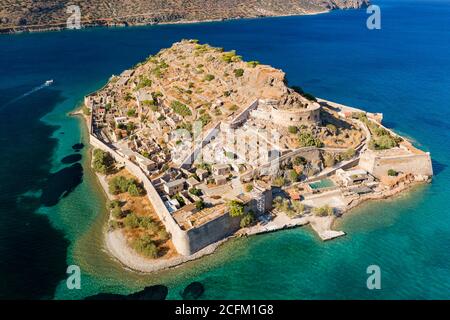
pixel 209 77
pixel 248 187
pixel 130 127
pixel 134 189
pixel 102 161
pixel 236 208
pixel 200 204
pixel 332 128
pixel 163 235
pixel 348 154
pixel 392 173
pixel 205 119
pixel 148 103
pixel 144 82
pixel 114 225
pixel 279 181
pixel 180 200
pixel 231 56
pixel 131 113
pixel 299 161
pixel 238 72
pixel 147 223
pixel 247 220
pixel 180 108
pixel 293 129
pixel 118 184
pixel 114 204
pixel 283 205
pixel 131 221
pixel 156 95
pixel 306 139
pixel 128 97
pixel 297 207
pixel 145 246
pixel 117 213
pixel 195 191
pixel 383 142
pixel 86 110
pixel 201 48
pixel 252 64
pixel 323 211
pixel 293 176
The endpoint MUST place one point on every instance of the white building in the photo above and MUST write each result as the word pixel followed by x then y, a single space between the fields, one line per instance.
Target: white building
pixel 352 177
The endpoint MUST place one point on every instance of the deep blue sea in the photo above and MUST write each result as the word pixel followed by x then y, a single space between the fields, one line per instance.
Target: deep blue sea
pixel 52 212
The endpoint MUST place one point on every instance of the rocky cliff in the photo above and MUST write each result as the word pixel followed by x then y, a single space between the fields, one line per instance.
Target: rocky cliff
pixel 29 15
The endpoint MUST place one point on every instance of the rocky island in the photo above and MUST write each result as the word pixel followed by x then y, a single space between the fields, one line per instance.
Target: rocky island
pixel 38 15
pixel 195 145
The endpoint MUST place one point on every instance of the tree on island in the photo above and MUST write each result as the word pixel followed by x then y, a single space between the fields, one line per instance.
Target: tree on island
pixel 236 208
pixel 323 211
pixel 307 139
pixel 103 161
pixel 117 213
pixel 120 184
pixel 200 205
pixel 290 208
pixel 293 129
pixel 238 72
pixel 293 176
pixel 145 246
pixel 195 191
pixel 134 190
pixel 392 173
pixel 278 181
pixel 247 219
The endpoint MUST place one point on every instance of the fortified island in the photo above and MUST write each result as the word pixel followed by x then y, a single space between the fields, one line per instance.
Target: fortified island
pixel 194 145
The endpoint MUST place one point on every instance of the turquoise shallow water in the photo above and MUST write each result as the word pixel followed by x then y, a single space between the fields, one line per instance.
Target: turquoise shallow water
pixel 52 215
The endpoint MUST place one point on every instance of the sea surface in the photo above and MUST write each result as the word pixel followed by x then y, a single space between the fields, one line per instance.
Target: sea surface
pixel 52 210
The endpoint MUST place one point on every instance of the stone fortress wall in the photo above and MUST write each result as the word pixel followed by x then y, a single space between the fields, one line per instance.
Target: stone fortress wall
pixel 212 231
pixel 268 111
pixel 405 158
pixel 378 163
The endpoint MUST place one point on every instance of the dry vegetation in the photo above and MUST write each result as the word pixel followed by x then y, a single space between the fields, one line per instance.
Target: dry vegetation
pixel 148 237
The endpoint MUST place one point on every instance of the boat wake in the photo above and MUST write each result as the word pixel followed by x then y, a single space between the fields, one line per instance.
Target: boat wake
pixel 42 86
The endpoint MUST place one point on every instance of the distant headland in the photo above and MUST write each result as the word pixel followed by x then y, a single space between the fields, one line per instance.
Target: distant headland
pixel 46 16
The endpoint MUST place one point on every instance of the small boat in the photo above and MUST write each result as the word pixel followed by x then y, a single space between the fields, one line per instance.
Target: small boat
pixel 48 82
